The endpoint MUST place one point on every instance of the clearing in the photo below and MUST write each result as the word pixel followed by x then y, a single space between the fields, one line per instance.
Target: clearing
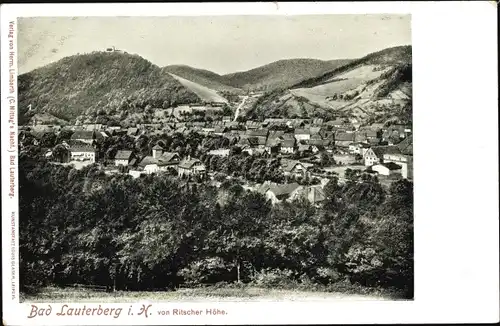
pixel 204 93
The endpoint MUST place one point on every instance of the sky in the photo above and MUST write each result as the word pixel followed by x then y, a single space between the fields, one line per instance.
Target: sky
pixel 222 44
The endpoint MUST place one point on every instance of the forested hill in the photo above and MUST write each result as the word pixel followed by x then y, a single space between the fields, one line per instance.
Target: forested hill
pixel 375 88
pixel 281 74
pixel 203 77
pixel 98 81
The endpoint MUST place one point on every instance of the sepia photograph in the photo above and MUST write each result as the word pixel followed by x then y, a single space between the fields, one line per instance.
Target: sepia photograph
pixel 215 158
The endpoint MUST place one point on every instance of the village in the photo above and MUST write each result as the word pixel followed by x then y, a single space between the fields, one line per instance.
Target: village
pixel 309 152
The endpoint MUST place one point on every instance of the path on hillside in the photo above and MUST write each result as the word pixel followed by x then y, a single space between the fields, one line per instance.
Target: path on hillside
pixel 240 106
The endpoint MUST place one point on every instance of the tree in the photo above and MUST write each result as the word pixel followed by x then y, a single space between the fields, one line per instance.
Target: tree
pixel 61 153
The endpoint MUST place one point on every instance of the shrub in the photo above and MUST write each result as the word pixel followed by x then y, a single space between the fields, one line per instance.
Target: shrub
pixel 275 278
pixel 207 270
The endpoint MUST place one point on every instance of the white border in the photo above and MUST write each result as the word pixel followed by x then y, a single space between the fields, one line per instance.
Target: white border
pixel 456 167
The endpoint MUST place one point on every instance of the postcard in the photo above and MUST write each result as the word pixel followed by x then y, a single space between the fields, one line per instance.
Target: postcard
pixel 234 163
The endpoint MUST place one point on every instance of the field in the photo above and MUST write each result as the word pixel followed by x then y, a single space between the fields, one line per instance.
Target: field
pixel 204 93
pixel 200 294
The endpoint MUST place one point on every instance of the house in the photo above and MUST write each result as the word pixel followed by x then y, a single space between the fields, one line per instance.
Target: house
pixel 372 135
pixel 263 132
pixel 278 193
pixel 85 136
pixel 399 159
pixel 207 130
pixel 169 159
pixel 294 168
pixel 296 123
pixel 344 139
pixel 149 164
pixel 302 134
pixel 122 157
pixel 83 152
pixel 358 148
pixel 317 122
pixel 404 158
pixel 226 118
pixel 337 123
pixel 315 130
pixel 191 166
pixel 375 154
pixel 157 151
pixel 272 145
pixel 316 140
pixel 275 134
pixel 223 152
pixel 220 130
pixel 314 194
pixel 132 131
pixel 304 148
pixel 288 146
pixel 387 168
pixel 252 125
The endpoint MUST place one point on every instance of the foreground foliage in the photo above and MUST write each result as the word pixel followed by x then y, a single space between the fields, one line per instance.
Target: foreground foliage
pixel 159 232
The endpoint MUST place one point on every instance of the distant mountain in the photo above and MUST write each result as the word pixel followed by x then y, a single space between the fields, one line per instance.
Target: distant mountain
pixel 281 74
pixel 376 87
pixel 97 83
pixel 203 77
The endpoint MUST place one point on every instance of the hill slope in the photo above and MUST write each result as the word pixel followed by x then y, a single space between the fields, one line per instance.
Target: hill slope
pixel 99 81
pixel 204 93
pixel 281 74
pixel 374 88
pixel 203 77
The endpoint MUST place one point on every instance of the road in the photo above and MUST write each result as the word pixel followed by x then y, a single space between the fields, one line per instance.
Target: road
pixel 239 107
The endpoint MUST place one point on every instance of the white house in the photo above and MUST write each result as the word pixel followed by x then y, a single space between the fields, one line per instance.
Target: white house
pixel 288 146
pixel 223 152
pixel 387 168
pixel 122 157
pixel 280 192
pixel 302 134
pixel 375 154
pixel 191 167
pixel 83 153
pixel 399 159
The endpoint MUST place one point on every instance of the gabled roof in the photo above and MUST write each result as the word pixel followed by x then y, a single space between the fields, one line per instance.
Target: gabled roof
pixel 316 194
pixel 168 157
pixel 284 189
pixel 123 155
pixel 302 132
pixel 271 142
pixel 83 134
pixel 157 147
pixel 316 142
pixel 381 150
pixel 303 147
pixel 288 143
pixel 132 131
pixel 188 164
pixel 391 166
pixel 289 165
pixel 276 133
pixel 258 132
pixel 147 160
pixel 287 136
pixel 406 146
pixel 82 148
pixel 315 130
pixel 344 136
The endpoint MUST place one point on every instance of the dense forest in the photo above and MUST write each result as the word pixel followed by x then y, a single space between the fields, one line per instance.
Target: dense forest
pixel 161 232
pixel 98 81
